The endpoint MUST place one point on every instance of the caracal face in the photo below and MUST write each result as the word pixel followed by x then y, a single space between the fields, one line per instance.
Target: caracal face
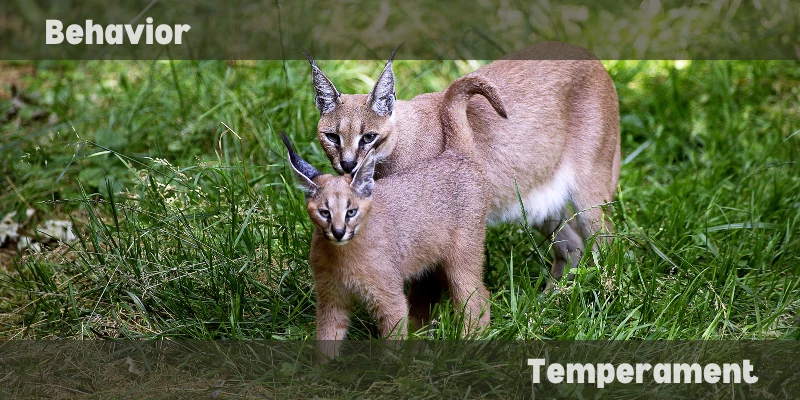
pixel 353 129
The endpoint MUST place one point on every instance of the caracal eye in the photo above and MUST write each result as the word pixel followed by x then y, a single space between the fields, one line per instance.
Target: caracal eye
pixel 352 212
pixel 334 138
pixel 325 213
pixel 368 138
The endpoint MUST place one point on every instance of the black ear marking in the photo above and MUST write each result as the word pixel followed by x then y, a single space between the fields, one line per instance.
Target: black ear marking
pixel 326 96
pixel 382 97
pixel 304 171
pixel 363 181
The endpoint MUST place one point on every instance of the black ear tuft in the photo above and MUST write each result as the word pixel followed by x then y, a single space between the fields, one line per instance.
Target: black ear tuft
pixel 326 96
pixel 304 171
pixel 382 97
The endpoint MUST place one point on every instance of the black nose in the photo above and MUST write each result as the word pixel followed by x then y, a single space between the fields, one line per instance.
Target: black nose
pixel 348 166
pixel 338 233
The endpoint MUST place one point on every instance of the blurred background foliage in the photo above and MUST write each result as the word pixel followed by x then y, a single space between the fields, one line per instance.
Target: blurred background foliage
pixel 485 29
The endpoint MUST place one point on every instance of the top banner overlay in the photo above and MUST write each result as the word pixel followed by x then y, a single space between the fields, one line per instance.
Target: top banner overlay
pixel 372 29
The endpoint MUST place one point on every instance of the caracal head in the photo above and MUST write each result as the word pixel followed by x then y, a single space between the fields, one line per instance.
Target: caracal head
pixel 337 205
pixel 352 125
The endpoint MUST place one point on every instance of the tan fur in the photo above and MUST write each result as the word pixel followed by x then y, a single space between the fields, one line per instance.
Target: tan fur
pixel 402 238
pixel 453 111
pixel 429 219
pixel 559 145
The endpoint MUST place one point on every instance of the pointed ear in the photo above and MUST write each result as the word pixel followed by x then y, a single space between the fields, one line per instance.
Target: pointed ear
pixel 363 182
pixel 382 97
pixel 303 171
pixel 326 97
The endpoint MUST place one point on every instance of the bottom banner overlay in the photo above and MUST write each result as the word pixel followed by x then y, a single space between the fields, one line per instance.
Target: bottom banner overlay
pixel 419 369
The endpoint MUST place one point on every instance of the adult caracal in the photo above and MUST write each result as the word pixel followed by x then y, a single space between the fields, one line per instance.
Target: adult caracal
pixel 559 145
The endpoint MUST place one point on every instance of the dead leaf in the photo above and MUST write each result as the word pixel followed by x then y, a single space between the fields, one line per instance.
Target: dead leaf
pixel 8 228
pixel 132 367
pixel 58 230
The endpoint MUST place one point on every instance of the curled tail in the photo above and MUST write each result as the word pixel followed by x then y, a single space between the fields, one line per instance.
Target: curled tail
pixel 453 112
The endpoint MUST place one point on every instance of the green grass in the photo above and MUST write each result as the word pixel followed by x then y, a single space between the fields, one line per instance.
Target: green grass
pixel 190 230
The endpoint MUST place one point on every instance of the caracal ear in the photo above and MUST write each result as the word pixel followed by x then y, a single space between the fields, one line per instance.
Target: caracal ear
pixel 326 97
pixel 363 181
pixel 382 97
pixel 303 171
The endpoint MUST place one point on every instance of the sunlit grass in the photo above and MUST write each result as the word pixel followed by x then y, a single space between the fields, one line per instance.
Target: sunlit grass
pixel 205 236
